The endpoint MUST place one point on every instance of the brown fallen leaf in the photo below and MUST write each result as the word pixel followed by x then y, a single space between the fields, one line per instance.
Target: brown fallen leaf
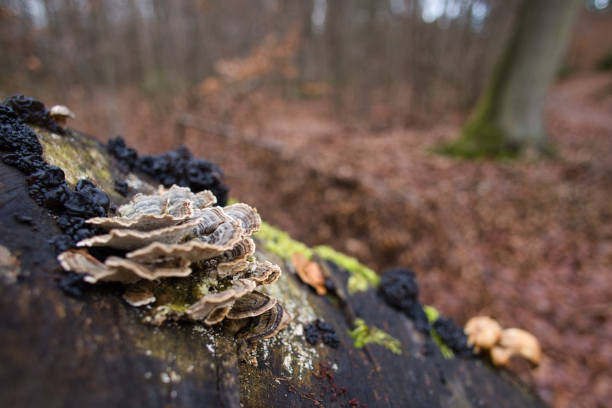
pixel 309 272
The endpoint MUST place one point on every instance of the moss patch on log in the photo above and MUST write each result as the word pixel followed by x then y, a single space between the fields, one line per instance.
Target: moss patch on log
pixel 280 243
pixel 79 158
pixel 363 334
pixel 362 277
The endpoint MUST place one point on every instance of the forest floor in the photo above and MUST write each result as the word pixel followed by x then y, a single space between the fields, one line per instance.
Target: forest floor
pixel 527 241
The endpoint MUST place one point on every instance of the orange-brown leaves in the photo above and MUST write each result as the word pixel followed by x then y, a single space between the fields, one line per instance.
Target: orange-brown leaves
pixel 309 272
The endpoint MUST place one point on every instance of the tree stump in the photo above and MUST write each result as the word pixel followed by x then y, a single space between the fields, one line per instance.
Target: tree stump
pixel 95 351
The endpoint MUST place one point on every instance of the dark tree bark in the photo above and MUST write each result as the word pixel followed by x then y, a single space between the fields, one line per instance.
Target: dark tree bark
pixel 508 116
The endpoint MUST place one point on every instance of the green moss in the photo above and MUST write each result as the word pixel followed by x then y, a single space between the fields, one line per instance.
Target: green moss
pixel 432 315
pixel 362 335
pixel 178 308
pixel 178 294
pixel 361 278
pixel 79 159
pixel 280 243
pixel 480 138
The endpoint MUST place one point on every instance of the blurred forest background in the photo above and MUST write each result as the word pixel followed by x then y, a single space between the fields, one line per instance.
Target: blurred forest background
pixel 324 115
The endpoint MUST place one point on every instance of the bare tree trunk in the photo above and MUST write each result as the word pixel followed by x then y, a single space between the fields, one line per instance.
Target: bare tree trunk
pixel 334 27
pixel 508 116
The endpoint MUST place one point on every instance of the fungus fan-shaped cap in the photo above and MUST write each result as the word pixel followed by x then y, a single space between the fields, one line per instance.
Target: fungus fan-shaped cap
pixel 266 324
pixel 81 262
pixel 264 273
pixel 166 202
pixel 218 313
pixel 174 234
pixel 195 250
pixel 202 199
pixel 251 305
pixel 205 306
pixel 235 260
pixel 210 218
pixel 175 268
pixel 118 269
pixel 249 218
pixel 241 250
pixel 227 233
pixel 132 239
pixel 147 221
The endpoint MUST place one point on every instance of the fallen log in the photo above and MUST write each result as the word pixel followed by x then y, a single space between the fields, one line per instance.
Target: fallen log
pixel 95 350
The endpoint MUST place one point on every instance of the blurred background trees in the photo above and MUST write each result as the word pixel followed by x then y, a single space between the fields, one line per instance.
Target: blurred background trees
pixel 399 61
pixel 403 52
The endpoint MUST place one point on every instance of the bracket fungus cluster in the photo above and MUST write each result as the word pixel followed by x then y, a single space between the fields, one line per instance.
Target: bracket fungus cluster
pixel 487 334
pixel 186 258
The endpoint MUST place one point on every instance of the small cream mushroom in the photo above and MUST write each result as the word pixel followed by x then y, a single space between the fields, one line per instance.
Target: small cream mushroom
pixel 501 356
pixel 483 332
pixel 60 114
pixel 516 342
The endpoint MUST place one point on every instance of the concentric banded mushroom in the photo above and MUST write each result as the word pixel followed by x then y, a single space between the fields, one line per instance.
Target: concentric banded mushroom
pixel 266 325
pixel 206 250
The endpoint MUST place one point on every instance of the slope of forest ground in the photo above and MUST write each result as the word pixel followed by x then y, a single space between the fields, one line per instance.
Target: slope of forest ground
pixel 528 242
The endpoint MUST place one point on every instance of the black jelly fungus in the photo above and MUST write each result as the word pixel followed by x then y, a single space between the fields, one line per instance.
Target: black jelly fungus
pixel 126 156
pixel 323 331
pixel 312 334
pixel 174 167
pixel 62 243
pixel 20 148
pixel 453 336
pixel 31 111
pixel 399 287
pixel 418 316
pixel 121 187
pixel 324 326
pixel 96 196
pixel 331 339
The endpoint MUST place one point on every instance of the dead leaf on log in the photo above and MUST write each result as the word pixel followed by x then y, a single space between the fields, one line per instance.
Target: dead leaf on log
pixel 309 272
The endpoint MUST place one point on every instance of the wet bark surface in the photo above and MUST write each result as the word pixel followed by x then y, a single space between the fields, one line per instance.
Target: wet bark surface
pixel 94 350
